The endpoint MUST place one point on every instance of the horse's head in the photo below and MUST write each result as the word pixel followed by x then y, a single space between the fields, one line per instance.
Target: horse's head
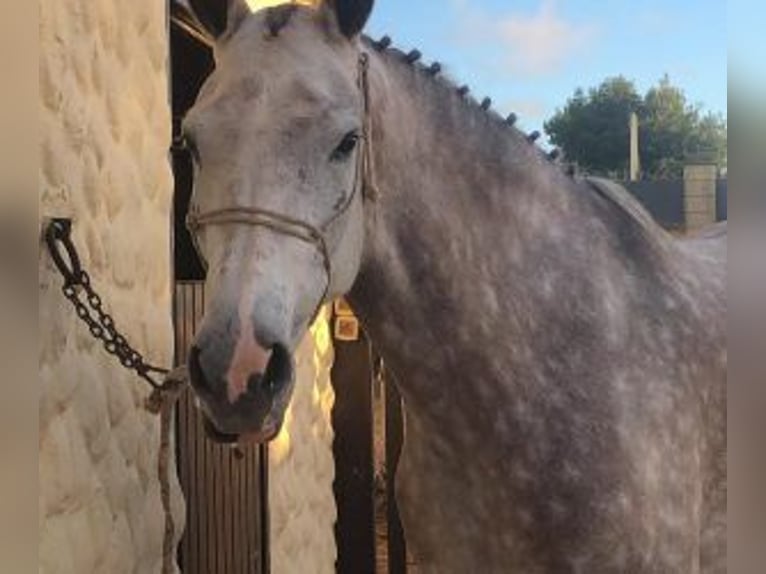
pixel 277 138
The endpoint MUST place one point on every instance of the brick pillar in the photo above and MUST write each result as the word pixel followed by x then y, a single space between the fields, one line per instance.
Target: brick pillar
pixel 699 195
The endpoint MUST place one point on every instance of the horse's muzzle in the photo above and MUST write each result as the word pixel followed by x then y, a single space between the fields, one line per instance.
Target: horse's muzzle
pixel 256 410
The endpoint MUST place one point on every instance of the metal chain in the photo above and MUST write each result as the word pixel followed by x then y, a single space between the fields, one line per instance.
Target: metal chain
pixel 102 327
pixel 167 385
pixel 90 310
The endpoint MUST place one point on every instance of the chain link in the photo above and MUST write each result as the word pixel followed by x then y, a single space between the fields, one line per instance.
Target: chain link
pixel 102 326
pixel 90 309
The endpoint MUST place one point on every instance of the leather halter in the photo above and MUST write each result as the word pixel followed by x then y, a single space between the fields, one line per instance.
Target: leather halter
pixel 296 228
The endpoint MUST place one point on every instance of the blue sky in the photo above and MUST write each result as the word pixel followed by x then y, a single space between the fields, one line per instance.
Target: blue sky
pixel 530 55
pixel 747 44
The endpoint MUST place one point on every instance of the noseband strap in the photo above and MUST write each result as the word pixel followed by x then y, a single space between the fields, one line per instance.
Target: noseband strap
pixel 364 180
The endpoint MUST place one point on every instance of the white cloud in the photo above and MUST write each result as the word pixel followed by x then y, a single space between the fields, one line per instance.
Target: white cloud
pixel 538 43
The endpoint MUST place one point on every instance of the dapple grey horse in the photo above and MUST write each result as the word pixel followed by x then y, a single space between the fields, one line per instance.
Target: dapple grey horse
pixel 561 357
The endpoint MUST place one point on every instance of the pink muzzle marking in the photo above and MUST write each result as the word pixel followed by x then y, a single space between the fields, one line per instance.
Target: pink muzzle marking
pixel 249 357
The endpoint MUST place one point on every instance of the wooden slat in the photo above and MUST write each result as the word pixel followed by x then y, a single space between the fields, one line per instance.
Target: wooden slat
pixel 182 438
pixel 236 504
pixel 262 501
pixel 252 526
pixel 216 509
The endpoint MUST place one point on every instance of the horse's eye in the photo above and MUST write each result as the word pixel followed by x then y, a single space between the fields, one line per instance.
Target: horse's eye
pixel 345 147
pixel 186 142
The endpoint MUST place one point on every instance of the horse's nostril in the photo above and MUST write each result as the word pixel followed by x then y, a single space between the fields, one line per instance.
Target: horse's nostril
pixel 278 373
pixel 196 373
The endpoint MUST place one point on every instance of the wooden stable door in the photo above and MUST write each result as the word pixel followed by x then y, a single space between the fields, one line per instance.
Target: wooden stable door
pixel 226 492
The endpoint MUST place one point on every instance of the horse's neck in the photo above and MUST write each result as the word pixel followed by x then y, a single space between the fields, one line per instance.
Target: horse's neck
pixel 472 240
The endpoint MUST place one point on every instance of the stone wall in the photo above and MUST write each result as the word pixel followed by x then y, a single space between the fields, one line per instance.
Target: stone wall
pixel 700 195
pixel 302 468
pixel 104 125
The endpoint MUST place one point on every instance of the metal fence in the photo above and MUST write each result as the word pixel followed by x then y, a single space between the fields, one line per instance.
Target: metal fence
pixel 722 199
pixel 664 199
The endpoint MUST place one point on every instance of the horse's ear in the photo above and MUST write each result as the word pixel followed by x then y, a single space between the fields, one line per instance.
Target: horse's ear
pixel 350 15
pixel 218 16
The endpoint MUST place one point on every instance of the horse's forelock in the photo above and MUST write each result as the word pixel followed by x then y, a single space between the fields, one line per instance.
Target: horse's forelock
pixel 277 17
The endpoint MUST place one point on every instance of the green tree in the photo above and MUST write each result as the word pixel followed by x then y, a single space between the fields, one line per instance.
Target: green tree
pixel 593 129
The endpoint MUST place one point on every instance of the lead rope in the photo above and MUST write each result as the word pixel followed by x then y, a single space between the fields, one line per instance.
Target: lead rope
pixel 162 403
pixel 165 392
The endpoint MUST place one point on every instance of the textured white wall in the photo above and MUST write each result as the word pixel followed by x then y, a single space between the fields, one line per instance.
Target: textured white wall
pixel 302 468
pixel 104 129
